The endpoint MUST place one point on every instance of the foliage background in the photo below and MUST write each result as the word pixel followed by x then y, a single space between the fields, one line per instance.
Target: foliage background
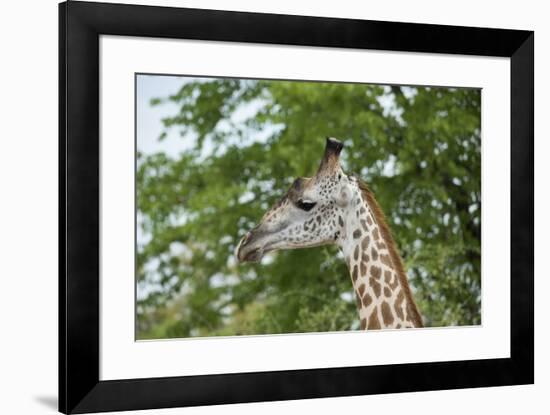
pixel 418 148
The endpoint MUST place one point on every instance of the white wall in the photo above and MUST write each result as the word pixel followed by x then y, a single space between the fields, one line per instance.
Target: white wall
pixel 28 208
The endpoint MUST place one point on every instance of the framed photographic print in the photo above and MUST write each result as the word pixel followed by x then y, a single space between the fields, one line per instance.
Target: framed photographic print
pixel 260 207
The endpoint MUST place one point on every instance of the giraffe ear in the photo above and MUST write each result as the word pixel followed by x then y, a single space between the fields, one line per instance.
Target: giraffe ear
pixel 342 197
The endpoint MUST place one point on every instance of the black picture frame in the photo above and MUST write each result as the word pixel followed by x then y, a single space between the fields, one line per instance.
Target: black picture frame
pixel 80 26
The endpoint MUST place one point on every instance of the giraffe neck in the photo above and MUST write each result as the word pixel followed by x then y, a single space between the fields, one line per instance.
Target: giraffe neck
pixel 383 296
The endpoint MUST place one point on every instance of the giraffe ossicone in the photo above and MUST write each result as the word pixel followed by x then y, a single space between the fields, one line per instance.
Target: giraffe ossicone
pixel 334 208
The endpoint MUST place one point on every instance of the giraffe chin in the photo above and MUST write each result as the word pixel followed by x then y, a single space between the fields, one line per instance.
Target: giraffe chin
pixel 255 255
pixel 246 253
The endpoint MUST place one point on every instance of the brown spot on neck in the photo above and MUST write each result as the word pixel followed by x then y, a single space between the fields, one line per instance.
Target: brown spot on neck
pixel 367 300
pixel 386 260
pixel 387 315
pixel 374 254
pixel 373 323
pixel 376 287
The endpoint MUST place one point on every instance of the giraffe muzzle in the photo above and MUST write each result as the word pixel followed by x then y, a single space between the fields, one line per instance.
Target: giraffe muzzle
pixel 249 250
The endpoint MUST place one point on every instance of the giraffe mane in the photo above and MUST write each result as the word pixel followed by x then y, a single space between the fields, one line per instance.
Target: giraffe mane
pixel 394 254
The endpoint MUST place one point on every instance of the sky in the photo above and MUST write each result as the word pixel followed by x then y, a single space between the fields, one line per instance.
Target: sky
pixel 149 118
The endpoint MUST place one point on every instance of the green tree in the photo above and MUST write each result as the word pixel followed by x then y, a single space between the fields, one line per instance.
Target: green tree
pixel 417 148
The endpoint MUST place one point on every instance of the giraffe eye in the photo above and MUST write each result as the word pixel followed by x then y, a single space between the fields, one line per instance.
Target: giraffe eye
pixel 305 205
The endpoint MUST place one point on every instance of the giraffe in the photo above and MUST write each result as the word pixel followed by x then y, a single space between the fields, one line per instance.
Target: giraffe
pixel 334 208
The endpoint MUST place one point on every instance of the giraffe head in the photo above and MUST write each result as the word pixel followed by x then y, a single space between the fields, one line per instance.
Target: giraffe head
pixel 309 214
